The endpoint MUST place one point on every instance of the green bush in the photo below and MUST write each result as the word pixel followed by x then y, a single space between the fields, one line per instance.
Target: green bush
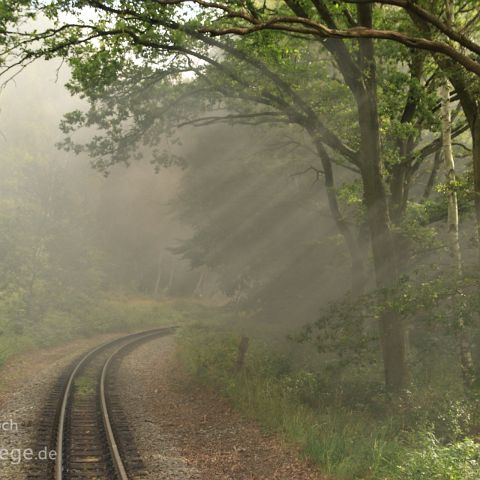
pixel 303 386
pixel 456 461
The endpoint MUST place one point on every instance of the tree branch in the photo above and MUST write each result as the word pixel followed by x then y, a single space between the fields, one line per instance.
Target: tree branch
pixel 318 173
pixel 309 27
pixel 426 16
pixel 204 121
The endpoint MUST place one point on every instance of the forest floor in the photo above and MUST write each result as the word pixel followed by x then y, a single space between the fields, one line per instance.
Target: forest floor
pixel 182 430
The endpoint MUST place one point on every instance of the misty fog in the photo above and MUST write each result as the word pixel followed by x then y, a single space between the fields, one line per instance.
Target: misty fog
pixel 239 240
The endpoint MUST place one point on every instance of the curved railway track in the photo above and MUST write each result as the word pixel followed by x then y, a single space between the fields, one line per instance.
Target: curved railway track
pixel 83 421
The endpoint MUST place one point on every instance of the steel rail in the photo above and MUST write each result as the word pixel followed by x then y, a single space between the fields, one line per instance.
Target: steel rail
pixel 114 450
pixel 59 460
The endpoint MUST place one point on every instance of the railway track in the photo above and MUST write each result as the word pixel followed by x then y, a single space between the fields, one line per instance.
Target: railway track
pixel 83 420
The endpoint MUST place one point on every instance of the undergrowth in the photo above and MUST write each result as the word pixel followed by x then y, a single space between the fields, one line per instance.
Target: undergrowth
pixel 108 315
pixel 372 440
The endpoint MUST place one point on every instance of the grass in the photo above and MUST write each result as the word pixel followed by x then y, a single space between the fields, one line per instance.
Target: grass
pixel 347 442
pixel 85 386
pixel 343 443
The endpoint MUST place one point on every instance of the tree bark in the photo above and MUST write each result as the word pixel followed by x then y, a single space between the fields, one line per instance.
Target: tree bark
pixel 402 173
pixel 359 74
pixel 466 359
pixel 433 175
pixel 475 131
pixel 446 121
pixel 392 327
pixel 397 191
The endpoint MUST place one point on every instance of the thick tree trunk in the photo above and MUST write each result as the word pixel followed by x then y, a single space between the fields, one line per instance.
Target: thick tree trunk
pixel 392 327
pixel 475 131
pixel 359 74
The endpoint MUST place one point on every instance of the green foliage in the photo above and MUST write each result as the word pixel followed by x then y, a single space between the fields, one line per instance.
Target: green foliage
pixel 463 187
pixel 304 386
pixel 48 260
pixel 429 299
pixel 351 196
pixel 433 461
pixel 99 316
pixel 416 234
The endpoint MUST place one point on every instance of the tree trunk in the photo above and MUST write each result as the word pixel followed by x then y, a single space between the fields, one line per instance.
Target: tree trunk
pixel 168 287
pixel 159 275
pixel 400 180
pixel 453 236
pixel 467 95
pixel 199 286
pixel 401 172
pixel 475 131
pixel 392 327
pixel 397 192
pixel 433 175
pixel 358 277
